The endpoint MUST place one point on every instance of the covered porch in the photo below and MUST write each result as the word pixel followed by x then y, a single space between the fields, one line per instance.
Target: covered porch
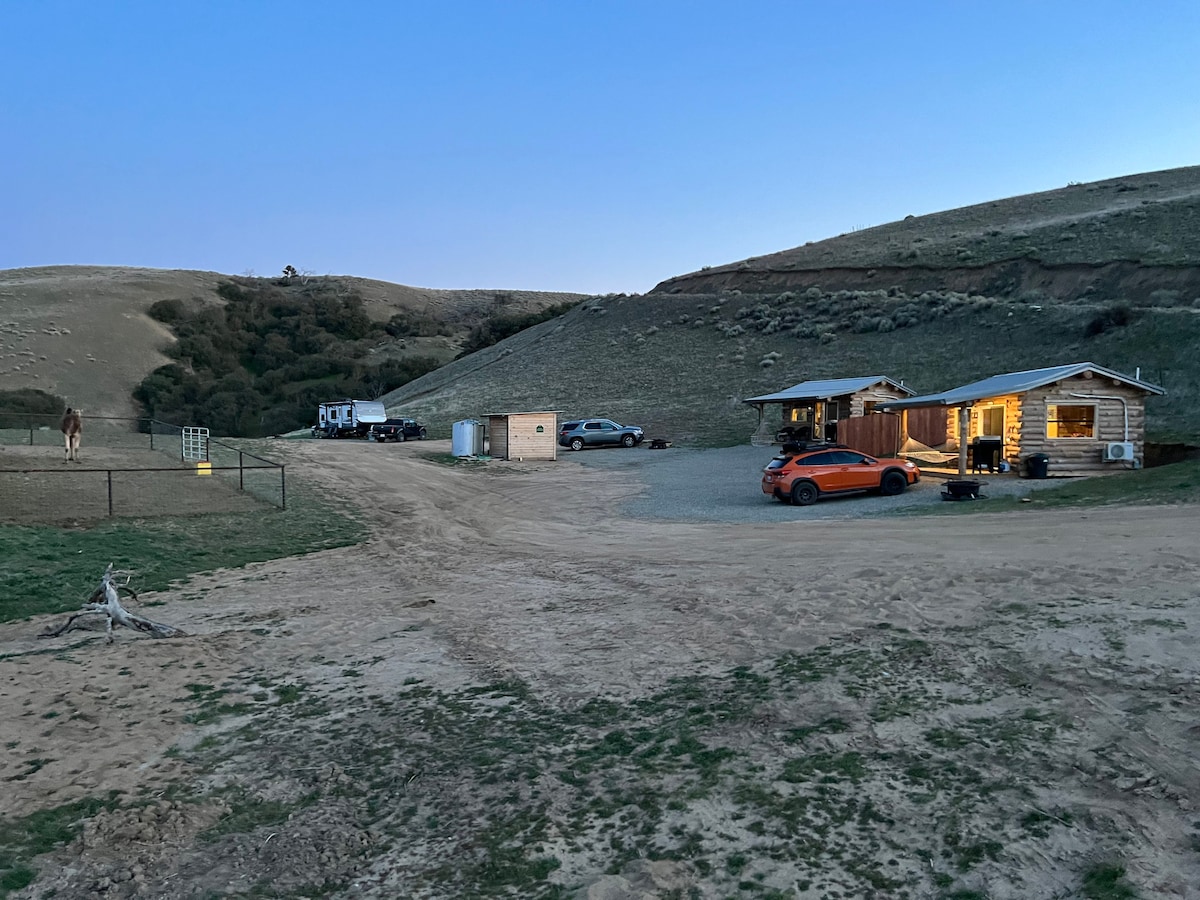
pixel 814 411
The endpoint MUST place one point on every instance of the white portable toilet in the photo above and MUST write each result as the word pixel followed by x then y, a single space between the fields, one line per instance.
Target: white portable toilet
pixel 466 438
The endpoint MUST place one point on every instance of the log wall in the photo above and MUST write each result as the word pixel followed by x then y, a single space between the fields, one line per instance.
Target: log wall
pixel 1084 456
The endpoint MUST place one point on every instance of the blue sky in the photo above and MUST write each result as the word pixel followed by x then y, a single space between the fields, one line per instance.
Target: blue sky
pixel 578 146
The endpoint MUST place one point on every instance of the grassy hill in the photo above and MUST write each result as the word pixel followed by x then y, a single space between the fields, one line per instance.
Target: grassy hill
pixel 83 332
pixel 1124 238
pixel 1107 272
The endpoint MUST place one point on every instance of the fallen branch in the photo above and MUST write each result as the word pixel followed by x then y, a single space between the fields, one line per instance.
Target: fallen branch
pixel 105 601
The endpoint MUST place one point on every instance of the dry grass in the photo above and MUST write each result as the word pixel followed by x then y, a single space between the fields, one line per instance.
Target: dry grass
pixel 82 332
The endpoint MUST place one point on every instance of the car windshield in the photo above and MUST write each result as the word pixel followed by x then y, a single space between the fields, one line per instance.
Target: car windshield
pixel 779 462
pixel 570 426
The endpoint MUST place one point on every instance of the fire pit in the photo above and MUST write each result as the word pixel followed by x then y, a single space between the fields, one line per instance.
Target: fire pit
pixel 961 490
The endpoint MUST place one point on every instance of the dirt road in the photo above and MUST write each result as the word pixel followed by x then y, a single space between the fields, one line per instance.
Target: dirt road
pixel 1007 703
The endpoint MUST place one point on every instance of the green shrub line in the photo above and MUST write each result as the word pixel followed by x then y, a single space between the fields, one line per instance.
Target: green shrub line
pixel 260 364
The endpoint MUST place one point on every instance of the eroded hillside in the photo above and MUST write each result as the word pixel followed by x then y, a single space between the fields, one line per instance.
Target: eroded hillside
pixel 1128 238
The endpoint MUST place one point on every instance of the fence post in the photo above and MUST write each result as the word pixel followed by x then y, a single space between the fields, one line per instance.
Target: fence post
pixel 241 473
pixel 151 434
pixel 110 511
pixel 283 487
pixel 30 435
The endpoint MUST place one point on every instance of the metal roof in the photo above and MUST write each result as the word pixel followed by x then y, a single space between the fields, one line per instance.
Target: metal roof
pixel 822 390
pixel 1015 383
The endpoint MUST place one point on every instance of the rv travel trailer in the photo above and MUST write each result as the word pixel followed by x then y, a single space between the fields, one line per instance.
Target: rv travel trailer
pixel 348 418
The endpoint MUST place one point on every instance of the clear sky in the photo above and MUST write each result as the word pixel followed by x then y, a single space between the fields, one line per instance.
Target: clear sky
pixel 590 146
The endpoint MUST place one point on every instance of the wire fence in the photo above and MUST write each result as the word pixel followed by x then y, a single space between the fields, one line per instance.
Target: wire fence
pixel 127 468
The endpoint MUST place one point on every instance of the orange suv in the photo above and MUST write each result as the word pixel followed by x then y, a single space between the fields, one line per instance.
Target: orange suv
pixel 803 476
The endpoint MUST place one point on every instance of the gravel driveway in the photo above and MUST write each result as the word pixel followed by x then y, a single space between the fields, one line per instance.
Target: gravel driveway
pixel 724 486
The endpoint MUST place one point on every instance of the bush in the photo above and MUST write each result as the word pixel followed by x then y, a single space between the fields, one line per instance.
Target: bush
pixel 242 369
pixel 494 329
pixel 1164 297
pixel 1117 316
pixel 166 311
pixel 21 407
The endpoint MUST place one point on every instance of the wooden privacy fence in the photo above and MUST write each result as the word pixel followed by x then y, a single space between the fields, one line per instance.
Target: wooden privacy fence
pixel 878 434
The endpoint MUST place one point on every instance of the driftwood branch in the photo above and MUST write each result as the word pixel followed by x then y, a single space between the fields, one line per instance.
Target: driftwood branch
pixel 106 601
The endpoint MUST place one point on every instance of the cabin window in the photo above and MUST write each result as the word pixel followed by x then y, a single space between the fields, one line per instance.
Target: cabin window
pixel 540 429
pixel 1070 421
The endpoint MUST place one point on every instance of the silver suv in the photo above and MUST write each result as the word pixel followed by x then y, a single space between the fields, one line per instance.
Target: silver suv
pixel 579 433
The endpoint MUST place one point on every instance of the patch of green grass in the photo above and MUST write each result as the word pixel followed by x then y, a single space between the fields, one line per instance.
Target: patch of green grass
pixel 55 569
pixel 211 709
pixel 1176 483
pixel 25 838
pixel 247 813
pixel 500 782
pixel 1107 882
pixel 288 693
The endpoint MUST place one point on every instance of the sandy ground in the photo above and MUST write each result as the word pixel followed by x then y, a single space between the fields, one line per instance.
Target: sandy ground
pixel 530 572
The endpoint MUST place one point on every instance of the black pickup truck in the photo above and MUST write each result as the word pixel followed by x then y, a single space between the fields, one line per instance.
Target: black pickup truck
pixel 397 430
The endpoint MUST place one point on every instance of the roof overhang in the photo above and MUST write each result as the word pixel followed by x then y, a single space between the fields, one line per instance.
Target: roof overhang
pixel 826 389
pixel 1016 383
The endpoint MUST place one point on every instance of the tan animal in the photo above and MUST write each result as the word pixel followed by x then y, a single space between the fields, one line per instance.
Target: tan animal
pixel 72 429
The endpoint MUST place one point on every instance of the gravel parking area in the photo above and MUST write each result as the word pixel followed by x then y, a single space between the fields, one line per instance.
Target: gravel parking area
pixel 724 486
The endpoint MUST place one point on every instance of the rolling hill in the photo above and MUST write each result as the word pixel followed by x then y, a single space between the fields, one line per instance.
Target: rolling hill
pixel 1107 272
pixel 83 332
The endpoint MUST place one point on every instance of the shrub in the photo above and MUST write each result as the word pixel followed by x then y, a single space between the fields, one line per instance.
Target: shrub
pixel 1164 297
pixel 1116 316
pixel 166 311
pixel 496 328
pixel 20 405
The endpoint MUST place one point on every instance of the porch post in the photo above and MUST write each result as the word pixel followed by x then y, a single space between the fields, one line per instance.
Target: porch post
pixel 964 428
pixel 903 430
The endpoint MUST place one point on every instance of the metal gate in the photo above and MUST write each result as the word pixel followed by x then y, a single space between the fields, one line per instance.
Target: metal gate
pixel 195 444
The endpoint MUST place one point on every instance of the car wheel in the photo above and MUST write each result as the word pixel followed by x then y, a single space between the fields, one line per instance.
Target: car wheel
pixel 893 483
pixel 401 437
pixel 628 441
pixel 576 444
pixel 421 436
pixel 804 493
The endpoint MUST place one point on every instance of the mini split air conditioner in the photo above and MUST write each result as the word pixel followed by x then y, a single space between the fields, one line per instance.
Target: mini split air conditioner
pixel 1118 450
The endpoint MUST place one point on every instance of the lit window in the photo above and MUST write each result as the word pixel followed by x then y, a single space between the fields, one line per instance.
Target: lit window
pixel 1064 421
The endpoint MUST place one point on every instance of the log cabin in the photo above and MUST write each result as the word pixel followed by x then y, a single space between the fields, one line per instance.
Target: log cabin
pixel 1080 418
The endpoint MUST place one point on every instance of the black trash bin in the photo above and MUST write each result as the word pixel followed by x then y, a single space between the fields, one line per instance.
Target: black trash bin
pixel 1037 465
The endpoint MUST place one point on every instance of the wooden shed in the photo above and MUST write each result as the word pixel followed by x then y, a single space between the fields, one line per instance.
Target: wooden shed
pixel 525 435
pixel 811 410
pixel 1087 419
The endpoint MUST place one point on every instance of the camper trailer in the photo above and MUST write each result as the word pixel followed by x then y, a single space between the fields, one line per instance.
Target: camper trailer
pixel 348 418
